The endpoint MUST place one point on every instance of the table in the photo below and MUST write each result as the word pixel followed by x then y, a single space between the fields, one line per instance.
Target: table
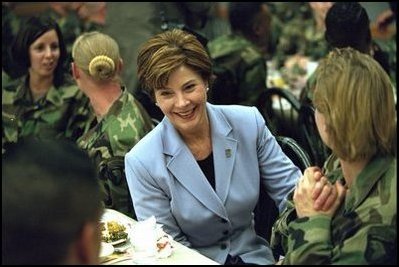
pixel 181 254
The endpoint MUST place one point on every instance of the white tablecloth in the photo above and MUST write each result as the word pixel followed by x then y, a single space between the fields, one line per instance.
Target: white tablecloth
pixel 181 254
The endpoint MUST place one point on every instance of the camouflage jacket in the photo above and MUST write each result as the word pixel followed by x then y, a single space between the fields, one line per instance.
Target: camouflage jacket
pixel 109 140
pixel 244 60
pixel 363 230
pixel 294 29
pixel 61 113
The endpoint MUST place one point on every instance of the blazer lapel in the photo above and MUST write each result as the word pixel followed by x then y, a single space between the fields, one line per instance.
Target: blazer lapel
pixel 185 169
pixel 224 151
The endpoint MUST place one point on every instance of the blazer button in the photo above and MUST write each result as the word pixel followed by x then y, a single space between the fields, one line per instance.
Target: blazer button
pixel 225 232
pixel 223 246
pixel 223 220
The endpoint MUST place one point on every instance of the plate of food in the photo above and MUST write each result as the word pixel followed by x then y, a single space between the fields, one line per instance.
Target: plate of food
pixel 114 232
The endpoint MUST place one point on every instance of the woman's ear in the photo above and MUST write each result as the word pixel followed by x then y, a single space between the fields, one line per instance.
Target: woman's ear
pixel 75 71
pixel 120 66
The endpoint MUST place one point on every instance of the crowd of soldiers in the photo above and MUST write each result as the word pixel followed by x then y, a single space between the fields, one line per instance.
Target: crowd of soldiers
pixel 295 30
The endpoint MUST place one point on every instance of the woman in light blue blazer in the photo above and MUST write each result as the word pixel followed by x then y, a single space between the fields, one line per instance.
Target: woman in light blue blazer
pixel 200 170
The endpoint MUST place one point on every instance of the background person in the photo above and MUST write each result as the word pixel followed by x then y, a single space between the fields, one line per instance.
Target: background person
pixel 242 54
pixel 202 178
pixel 120 121
pixel 44 102
pixel 51 209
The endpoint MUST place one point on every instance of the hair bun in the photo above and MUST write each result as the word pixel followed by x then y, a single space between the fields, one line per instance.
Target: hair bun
pixel 101 66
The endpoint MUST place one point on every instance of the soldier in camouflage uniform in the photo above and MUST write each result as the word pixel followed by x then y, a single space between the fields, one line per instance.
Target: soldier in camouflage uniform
pixel 242 53
pixel 44 102
pixel 360 226
pixel 121 121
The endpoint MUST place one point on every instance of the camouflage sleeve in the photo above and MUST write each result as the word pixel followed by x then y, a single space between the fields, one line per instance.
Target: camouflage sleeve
pixel 310 242
pixel 278 241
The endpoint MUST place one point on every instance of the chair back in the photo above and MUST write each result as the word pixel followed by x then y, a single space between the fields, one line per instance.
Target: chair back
pixel 280 108
pixel 311 139
pixel 295 152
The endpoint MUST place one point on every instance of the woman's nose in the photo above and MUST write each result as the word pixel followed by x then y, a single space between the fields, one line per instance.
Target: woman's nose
pixel 48 52
pixel 181 100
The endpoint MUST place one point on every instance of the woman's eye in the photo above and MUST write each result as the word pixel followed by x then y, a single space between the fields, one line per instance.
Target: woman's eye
pixel 54 46
pixel 165 93
pixel 39 48
pixel 190 87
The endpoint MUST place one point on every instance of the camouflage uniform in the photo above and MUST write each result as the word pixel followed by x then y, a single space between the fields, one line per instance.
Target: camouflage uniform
pixel 108 142
pixel 294 28
pixel 61 113
pixel 244 59
pixel 362 231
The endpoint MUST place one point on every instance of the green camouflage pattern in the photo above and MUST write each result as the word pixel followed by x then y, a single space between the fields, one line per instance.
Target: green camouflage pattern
pixel 294 30
pixel 61 113
pixel 244 59
pixel 363 230
pixel 107 143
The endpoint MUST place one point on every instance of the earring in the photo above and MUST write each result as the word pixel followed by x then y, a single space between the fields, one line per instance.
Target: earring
pixel 156 104
pixel 207 89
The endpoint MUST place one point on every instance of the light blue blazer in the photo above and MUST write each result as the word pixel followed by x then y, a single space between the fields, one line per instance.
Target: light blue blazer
pixel 165 180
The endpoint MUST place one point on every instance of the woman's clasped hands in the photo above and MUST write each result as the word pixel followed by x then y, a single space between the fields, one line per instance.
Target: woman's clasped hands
pixel 315 195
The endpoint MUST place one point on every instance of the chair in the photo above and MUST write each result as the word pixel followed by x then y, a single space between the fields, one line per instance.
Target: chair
pixel 280 108
pixel 295 152
pixel 266 211
pixel 155 122
pixel 311 139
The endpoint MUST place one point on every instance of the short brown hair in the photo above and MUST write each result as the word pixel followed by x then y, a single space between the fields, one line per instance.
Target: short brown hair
pixel 356 97
pixel 165 52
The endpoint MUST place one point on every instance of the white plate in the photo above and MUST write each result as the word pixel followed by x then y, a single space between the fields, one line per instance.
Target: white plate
pixel 117 242
pixel 106 249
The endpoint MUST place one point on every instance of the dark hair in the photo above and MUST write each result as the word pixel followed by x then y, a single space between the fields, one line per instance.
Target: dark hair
pixel 348 25
pixel 32 29
pixel 49 191
pixel 242 16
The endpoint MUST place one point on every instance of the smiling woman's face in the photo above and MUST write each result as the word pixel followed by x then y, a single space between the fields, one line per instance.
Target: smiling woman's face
pixel 183 100
pixel 44 54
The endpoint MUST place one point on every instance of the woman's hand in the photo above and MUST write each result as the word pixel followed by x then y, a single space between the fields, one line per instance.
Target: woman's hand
pixel 315 195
